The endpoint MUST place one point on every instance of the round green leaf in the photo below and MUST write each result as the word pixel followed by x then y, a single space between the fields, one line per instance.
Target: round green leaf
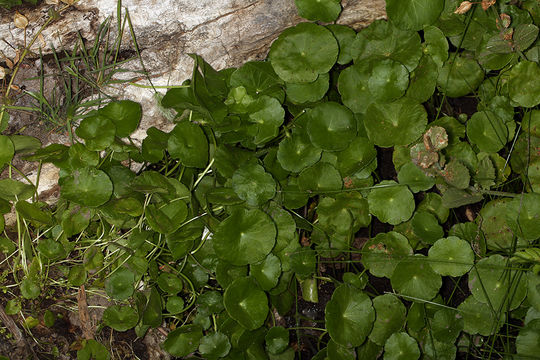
pixel 79 156
pixel 381 39
pixel 415 277
pixel 226 273
pixel 93 350
pixel 285 224
pixel 30 288
pixel 7 150
pixel 345 36
pixel 413 14
pixel 93 258
pixel 183 341
pixel 303 52
pixel 277 340
pixel 412 176
pixel 166 218
pixel 446 325
pixel 308 92
pixel 51 249
pixel 426 226
pixel 440 350
pixel 254 185
pixel 258 77
pixel 528 340
pixel 120 318
pixel 33 212
pixel 491 282
pixel 357 280
pixel 523 216
pixel 120 284
pixel 75 219
pixel 87 186
pixel 267 272
pixel 388 81
pixel 451 256
pixel 531 123
pixel 175 304
pixel 533 293
pixel 423 80
pixel 436 45
pixel 459 77
pixel 523 86
pixel 303 262
pixel 494 224
pixel 381 254
pixel 245 237
pixel 181 241
pixel 390 202
pixel 296 152
pixel 152 313
pixel 320 177
pixel 323 10
pixel 12 190
pixel 397 123
pixel 13 306
pixel 390 317
pixel 359 156
pixel 487 131
pixel 210 302
pixel 169 283
pixel 125 114
pixel 97 131
pixel 267 114
pixel 246 303
pixel 188 144
pixel 524 152
pixel 215 345
pixel 401 346
pixel 353 86
pixel 478 318
pixel 349 316
pixel 337 351
pixel 331 126
pixel 456 174
pixel 293 197
pixel 369 350
pixel 77 275
pixel 334 216
pixel 154 144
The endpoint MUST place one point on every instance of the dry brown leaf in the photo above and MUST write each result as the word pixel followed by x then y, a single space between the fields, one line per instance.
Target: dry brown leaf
pixel 3 73
pixel 20 20
pixel 42 40
pixel 486 4
pixel 469 214
pixel 463 7
pixel 9 63
pixel 506 20
pixel 17 56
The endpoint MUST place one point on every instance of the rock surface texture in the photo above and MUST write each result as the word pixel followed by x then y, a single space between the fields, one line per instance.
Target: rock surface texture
pixel 226 33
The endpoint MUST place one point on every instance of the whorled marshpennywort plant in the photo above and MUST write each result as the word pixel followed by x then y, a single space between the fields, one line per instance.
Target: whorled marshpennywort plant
pixel 275 172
